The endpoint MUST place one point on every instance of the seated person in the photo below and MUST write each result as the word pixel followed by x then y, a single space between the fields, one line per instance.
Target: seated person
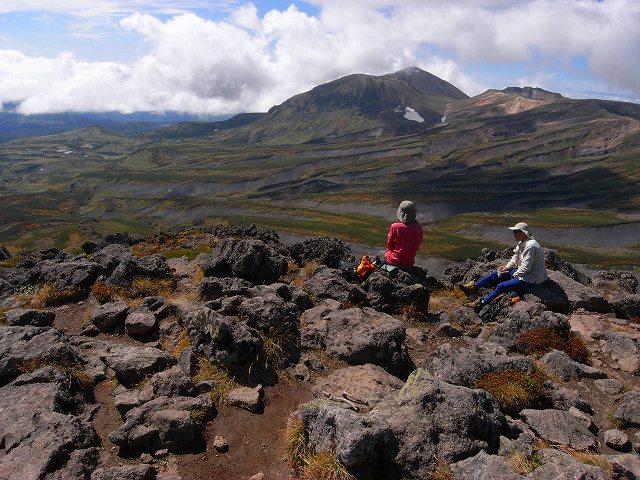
pixel 525 269
pixel 404 238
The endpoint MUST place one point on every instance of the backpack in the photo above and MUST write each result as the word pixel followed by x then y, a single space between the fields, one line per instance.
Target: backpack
pixel 358 270
pixel 490 311
pixel 365 267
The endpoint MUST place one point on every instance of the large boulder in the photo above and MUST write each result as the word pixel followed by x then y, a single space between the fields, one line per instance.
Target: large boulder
pixel 35 318
pixel 618 280
pixel 72 274
pixel 561 365
pixel 269 311
pixel 553 261
pixel 265 234
pixel 560 465
pixel 250 259
pixel 173 382
pixel 628 409
pixel 327 282
pixel 357 336
pixel 330 251
pixel 111 256
pixel 39 429
pixel 623 348
pixel 108 315
pixel 394 291
pixel 22 345
pixel 483 466
pixel 408 430
pixel 626 306
pixel 580 296
pixel 151 266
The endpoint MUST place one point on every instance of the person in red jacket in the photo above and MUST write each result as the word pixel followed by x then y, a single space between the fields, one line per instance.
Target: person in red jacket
pixel 404 238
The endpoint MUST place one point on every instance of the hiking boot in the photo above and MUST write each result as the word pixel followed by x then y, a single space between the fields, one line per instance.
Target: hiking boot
pixel 468 288
pixel 475 304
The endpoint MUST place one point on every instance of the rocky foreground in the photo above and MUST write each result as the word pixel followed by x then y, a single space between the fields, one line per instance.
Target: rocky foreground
pixel 142 359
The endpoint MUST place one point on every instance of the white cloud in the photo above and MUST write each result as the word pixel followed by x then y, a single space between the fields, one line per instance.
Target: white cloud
pixel 250 62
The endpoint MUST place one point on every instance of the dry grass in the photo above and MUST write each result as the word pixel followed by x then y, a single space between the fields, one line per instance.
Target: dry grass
pixel 3 320
pixel 441 470
pixel 181 345
pixel 74 372
pixel 539 341
pixel 224 383
pixel 275 345
pixel 324 466
pixel 198 275
pixel 590 458
pixel 49 296
pixel 524 465
pixel 295 440
pixel 139 288
pixel 514 389
pixel 448 300
pixel 304 273
pixel 414 312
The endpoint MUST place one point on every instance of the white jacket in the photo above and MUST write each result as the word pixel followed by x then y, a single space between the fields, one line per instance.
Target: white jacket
pixel 528 258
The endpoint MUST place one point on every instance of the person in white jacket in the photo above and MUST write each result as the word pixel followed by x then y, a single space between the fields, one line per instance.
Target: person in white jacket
pixel 525 269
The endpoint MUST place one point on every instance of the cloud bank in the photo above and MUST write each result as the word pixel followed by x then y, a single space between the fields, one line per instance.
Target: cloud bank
pixel 249 62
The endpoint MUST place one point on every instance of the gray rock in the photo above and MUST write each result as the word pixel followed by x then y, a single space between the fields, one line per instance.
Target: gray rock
pixel 159 306
pixel 584 418
pixel 446 330
pixel 555 262
pixel 4 253
pixel 561 365
pixel 559 465
pixel 250 259
pixel 561 398
pixel 20 345
pixel 581 296
pixel 188 361
pixel 108 315
pixel 466 367
pixel 74 274
pixel 398 290
pixel 483 466
pixel 246 398
pixel 559 427
pixel 125 472
pixel 625 465
pixel 126 400
pixel 617 439
pixel 628 410
pixel 407 431
pixel 626 306
pixel 162 423
pixel 132 364
pixel 330 251
pixel 39 429
pixel 209 288
pixel 111 256
pixel 326 283
pixel 520 318
pixel 367 383
pixel 173 382
pixel 139 322
pixel 623 349
pixel 220 444
pixel 620 280
pixel 466 316
pixel 301 371
pixel 609 386
pixel 35 318
pixel 269 311
pixel 81 464
pixel 357 336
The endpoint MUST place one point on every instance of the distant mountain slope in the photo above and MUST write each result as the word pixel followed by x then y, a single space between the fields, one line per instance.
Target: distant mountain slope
pixel 191 129
pixel 357 105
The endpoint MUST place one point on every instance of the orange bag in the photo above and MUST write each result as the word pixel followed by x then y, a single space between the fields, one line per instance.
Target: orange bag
pixel 365 267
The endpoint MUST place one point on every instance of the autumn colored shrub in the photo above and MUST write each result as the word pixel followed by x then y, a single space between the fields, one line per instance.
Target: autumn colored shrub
pixel 539 341
pixel 514 389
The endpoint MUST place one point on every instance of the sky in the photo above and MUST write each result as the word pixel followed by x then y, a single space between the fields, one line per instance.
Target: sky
pixel 221 57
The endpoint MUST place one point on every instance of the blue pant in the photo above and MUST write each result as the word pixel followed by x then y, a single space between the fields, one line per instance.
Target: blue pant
pixel 509 284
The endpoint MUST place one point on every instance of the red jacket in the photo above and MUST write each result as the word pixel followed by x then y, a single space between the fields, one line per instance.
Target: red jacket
pixel 403 242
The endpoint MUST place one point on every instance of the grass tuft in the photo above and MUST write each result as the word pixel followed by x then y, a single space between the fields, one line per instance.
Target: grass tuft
pixel 590 458
pixel 514 389
pixel 49 296
pixel 441 470
pixel 324 466
pixel 139 288
pixel 224 383
pixel 276 342
pixel 539 341
pixel 74 372
pixel 523 464
pixel 295 439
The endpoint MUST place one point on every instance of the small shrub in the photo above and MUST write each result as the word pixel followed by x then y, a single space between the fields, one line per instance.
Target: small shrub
pixel 414 312
pixel 539 341
pixel 611 418
pixel 50 296
pixel 441 470
pixel 106 293
pixel 324 466
pixel 199 416
pixel 514 389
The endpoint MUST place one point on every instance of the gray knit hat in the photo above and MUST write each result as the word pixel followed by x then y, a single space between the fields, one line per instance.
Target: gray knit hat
pixel 407 211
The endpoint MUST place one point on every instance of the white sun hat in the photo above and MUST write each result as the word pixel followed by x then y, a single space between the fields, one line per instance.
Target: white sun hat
pixel 523 227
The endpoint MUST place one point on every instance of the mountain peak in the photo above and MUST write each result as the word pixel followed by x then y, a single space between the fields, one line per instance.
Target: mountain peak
pixel 533 93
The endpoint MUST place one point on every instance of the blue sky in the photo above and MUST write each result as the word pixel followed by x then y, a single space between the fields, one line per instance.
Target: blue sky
pixel 220 57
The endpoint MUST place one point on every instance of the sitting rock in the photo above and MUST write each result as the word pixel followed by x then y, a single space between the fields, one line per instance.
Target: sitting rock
pixel 357 336
pixel 622 348
pixel 151 266
pixel 35 318
pixel 39 427
pixel 269 311
pixel 125 472
pixel 628 409
pixel 619 280
pixel 252 260
pixel 132 364
pixel 250 399
pixel 408 430
pixel 163 422
pixel 392 292
pixel 561 365
pixel 559 427
pixel 626 306
pixel 578 295
pixel 368 384
pixel 329 251
pixel 326 282
pixel 109 315
pixel 21 345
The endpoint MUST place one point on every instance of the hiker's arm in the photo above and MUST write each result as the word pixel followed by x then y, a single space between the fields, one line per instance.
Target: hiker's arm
pixel 511 263
pixel 391 238
pixel 526 263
